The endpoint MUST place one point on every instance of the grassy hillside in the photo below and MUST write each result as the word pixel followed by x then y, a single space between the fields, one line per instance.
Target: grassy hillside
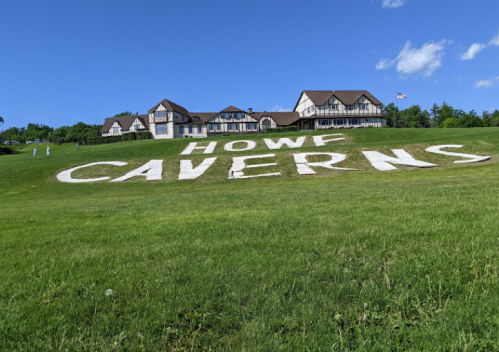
pixel 362 260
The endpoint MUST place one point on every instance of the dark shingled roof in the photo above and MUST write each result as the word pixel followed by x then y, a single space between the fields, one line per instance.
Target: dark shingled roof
pixel 203 116
pixel 125 122
pixel 232 109
pixel 348 97
pixel 280 118
pixel 171 106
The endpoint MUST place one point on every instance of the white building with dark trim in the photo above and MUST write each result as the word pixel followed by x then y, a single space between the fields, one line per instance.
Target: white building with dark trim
pixel 314 110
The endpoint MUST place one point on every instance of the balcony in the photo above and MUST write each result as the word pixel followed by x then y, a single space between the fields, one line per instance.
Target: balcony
pixel 346 113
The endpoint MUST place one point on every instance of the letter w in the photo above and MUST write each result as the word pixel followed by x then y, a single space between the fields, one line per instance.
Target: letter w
pixel 272 145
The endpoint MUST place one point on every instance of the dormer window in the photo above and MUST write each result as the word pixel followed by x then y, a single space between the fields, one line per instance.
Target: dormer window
pixel 363 106
pixel 196 118
pixel 348 107
pixel 227 115
pixel 333 106
pixel 238 115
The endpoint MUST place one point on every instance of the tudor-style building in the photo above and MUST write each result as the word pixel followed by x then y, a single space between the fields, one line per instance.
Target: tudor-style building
pixel 314 110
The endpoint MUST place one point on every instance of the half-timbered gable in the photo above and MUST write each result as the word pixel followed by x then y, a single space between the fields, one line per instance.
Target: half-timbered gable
pixel 232 120
pixel 115 126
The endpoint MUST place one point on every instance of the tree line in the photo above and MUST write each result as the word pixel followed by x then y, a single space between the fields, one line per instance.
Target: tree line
pixel 78 132
pixel 444 116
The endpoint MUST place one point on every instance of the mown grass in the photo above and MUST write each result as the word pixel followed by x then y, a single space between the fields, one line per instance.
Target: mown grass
pixel 355 261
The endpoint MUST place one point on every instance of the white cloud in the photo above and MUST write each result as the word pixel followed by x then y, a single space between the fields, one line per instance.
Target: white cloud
pixel 279 108
pixel 474 49
pixel 495 40
pixel 391 4
pixel 487 83
pixel 458 79
pixel 383 64
pixel 424 60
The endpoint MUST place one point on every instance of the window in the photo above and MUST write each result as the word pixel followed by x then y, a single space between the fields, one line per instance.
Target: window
pixel 354 121
pixel 175 115
pixel 196 118
pixel 251 126
pixel 324 122
pixel 227 115
pixel 348 107
pixel 363 106
pixel 190 129
pixel 214 127
pixel 181 130
pixel 161 128
pixel 137 127
pixel 238 115
pixel 160 113
pixel 372 120
pixel 200 129
pixel 233 126
pixel 333 106
pixel 339 122
pixel 116 130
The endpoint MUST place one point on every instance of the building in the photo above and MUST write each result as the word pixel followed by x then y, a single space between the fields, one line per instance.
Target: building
pixel 314 110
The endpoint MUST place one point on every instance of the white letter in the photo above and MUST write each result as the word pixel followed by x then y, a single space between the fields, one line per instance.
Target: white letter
pixel 272 145
pixel 208 150
pixel 474 158
pixel 238 165
pixel 65 176
pixel 303 166
pixel 230 146
pixel 188 173
pixel 154 170
pixel 380 161
pixel 318 140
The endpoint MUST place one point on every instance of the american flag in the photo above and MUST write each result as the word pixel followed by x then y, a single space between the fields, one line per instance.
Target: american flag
pixel 401 96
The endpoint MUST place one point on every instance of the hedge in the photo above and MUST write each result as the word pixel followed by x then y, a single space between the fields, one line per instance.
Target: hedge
pixel 282 129
pixel 131 136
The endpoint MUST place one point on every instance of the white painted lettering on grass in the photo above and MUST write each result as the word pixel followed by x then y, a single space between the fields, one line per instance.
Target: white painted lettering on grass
pixel 303 166
pixel 151 170
pixel 249 145
pixel 239 164
pixel 207 150
pixel 473 158
pixel 319 140
pixel 383 162
pixel 273 145
pixel 65 176
pixel 187 172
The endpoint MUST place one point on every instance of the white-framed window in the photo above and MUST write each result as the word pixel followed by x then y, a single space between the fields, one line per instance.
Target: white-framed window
pixel 214 127
pixel 251 126
pixel 181 130
pixel 238 115
pixel 233 126
pixel 161 128
pixel 339 122
pixel 160 113
pixel 354 121
pixel 348 107
pixel 190 129
pixel 227 115
pixel 116 130
pixel 333 106
pixel 324 122
pixel 364 106
pixel 137 127
pixel 372 120
pixel 200 129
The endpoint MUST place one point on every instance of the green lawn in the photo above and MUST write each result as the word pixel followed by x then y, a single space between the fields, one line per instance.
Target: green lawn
pixel 405 260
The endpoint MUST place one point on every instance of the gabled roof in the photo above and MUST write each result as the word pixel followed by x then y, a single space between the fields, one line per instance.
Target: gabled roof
pixel 280 118
pixel 171 106
pixel 348 97
pixel 232 109
pixel 125 122
pixel 203 116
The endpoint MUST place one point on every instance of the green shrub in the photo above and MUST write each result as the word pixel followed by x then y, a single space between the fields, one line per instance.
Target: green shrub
pixel 282 129
pixel 225 134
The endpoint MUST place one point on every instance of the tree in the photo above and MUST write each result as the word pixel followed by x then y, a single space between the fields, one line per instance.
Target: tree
pixel 1 120
pixel 435 112
pixel 486 118
pixel 392 115
pixel 125 113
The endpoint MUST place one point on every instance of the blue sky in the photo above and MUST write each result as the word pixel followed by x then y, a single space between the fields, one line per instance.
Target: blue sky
pixel 67 61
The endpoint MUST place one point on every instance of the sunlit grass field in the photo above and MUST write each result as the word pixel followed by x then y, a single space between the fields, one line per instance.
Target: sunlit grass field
pixel 405 260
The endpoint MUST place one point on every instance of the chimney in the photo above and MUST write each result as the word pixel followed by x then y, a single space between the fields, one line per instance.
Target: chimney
pixel 250 110
pixel 136 113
